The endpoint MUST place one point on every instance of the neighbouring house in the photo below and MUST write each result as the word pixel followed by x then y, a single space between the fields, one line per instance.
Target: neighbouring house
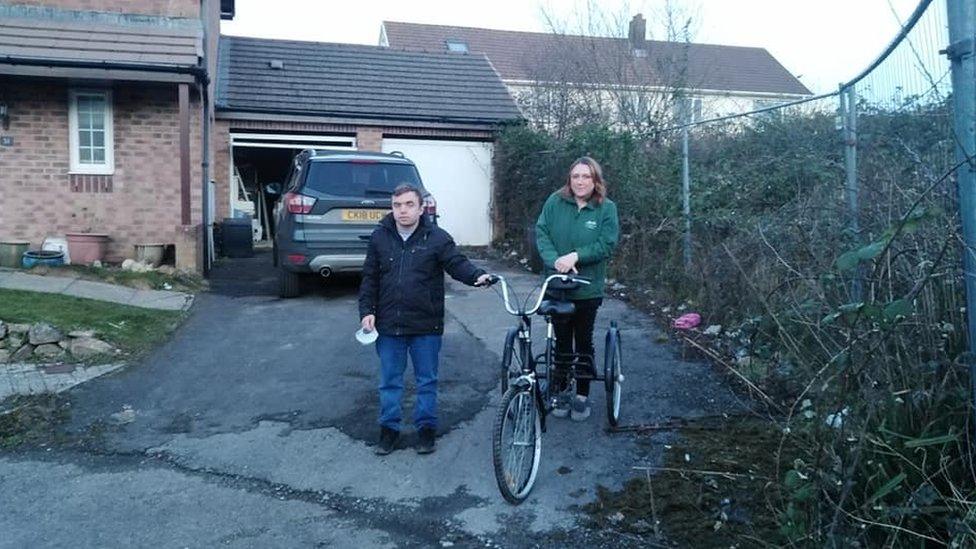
pixel 548 72
pixel 104 113
pixel 277 97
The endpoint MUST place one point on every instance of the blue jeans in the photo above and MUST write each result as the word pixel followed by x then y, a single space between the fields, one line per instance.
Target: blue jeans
pixel 423 350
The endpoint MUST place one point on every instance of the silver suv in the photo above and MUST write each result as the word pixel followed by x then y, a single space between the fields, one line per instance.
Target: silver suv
pixel 332 202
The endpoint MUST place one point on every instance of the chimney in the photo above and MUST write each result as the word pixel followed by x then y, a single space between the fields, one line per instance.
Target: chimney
pixel 637 36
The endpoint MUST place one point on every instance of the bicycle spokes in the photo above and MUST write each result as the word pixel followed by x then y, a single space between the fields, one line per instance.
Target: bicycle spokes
pixel 519 440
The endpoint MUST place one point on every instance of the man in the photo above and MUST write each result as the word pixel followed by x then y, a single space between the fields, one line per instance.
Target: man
pixel 402 297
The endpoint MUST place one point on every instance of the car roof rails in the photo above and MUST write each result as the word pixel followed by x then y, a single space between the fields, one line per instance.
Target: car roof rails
pixel 397 153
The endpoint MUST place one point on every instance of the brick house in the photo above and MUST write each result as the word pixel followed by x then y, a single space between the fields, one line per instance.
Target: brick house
pixel 105 105
pixel 115 115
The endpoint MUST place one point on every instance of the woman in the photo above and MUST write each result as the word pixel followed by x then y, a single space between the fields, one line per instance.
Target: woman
pixel 576 233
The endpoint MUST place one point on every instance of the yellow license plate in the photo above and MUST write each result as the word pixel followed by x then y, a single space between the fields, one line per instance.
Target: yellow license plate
pixel 364 216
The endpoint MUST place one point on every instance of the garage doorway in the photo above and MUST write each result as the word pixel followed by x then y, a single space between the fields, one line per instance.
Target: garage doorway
pixel 260 159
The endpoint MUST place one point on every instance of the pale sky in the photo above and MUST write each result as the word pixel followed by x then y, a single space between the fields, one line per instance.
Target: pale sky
pixel 822 42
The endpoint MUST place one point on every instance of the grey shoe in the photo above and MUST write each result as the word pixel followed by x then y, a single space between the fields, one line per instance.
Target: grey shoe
pixel 560 408
pixel 580 408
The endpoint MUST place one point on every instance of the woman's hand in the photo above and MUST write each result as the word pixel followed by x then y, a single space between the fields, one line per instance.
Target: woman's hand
pixel 567 263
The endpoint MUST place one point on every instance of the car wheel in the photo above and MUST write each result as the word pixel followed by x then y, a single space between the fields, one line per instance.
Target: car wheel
pixel 289 284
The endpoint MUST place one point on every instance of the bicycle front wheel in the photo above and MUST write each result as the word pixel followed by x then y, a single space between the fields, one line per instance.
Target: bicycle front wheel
pixel 516 443
pixel 514 358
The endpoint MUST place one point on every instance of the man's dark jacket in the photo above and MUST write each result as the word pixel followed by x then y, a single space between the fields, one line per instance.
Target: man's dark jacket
pixel 403 282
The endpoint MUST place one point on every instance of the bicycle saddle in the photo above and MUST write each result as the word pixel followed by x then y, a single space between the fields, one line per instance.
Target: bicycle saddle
pixel 560 285
pixel 550 307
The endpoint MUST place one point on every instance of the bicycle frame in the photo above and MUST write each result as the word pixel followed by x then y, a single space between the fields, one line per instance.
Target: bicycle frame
pixel 523 344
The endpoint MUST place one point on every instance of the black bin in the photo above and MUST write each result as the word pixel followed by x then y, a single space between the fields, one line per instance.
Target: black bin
pixel 235 237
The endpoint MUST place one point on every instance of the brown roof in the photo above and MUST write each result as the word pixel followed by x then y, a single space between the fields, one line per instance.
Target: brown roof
pixel 532 56
pixel 73 41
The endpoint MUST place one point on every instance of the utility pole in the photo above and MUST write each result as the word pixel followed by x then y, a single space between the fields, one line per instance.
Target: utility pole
pixel 962 34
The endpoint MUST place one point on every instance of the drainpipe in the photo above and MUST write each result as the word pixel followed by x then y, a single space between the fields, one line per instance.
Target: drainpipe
pixel 205 160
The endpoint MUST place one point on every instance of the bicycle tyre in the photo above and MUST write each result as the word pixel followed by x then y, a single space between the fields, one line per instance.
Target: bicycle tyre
pixel 513 359
pixel 613 374
pixel 518 410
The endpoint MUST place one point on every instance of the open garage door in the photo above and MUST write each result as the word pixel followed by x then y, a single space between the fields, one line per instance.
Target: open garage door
pixel 259 159
pixel 458 174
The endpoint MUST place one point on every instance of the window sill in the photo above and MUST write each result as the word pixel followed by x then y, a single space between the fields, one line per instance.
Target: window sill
pixel 91 172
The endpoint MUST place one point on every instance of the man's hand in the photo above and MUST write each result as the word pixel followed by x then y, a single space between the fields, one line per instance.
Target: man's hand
pixel 369 323
pixel 483 280
pixel 567 263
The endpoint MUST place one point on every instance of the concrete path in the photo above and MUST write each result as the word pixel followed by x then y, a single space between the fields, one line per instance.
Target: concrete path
pixel 34 379
pixel 101 291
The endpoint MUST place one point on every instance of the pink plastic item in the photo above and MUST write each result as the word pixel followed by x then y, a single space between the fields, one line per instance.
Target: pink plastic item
pixel 687 321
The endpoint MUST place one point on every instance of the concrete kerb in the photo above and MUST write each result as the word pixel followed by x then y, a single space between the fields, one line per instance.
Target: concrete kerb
pixel 147 299
pixel 32 379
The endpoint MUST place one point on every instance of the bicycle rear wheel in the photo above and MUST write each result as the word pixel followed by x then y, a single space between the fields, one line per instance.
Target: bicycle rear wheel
pixel 516 443
pixel 613 374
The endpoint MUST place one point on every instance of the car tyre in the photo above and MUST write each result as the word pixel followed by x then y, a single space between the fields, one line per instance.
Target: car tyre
pixel 289 284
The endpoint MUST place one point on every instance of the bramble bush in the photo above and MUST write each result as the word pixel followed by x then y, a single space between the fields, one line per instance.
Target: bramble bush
pixel 855 339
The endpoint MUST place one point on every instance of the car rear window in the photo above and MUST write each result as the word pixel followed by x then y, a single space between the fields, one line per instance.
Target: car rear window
pixel 359 178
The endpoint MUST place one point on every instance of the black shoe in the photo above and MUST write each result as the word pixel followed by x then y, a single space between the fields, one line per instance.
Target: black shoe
pixel 387 442
pixel 426 442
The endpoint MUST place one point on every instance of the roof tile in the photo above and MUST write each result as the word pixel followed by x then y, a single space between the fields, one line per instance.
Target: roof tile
pixel 346 80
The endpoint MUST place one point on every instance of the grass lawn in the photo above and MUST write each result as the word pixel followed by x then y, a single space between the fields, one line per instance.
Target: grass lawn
pixel 131 329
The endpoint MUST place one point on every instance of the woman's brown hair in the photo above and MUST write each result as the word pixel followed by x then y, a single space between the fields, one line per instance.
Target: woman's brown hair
pixel 599 185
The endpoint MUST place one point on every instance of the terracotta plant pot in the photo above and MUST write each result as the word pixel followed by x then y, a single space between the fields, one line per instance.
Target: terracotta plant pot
pixel 11 253
pixel 150 254
pixel 86 248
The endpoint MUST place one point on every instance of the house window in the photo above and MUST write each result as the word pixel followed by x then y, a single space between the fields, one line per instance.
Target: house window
pixel 696 109
pixel 457 46
pixel 91 139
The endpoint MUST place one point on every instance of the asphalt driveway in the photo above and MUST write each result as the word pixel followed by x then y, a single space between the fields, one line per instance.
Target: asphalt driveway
pixel 253 426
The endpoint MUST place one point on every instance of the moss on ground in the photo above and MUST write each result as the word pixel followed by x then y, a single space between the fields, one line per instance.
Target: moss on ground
pixel 30 419
pixel 714 490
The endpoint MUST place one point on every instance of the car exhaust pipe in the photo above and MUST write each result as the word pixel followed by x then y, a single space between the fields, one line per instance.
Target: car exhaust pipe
pixel 326 272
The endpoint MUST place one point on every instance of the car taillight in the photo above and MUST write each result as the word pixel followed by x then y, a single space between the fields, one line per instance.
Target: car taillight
pixel 299 203
pixel 296 259
pixel 430 205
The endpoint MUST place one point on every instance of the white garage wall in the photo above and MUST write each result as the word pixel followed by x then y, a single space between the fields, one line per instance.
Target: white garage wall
pixel 458 174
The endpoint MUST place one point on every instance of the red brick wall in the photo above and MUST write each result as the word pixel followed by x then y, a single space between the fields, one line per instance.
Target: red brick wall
pixel 220 145
pixel 171 8
pixel 144 202
pixel 369 139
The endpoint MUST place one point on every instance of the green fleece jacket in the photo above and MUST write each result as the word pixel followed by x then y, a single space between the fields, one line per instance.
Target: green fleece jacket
pixel 591 231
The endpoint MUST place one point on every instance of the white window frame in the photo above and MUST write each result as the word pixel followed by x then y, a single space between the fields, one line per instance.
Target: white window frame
pixel 108 166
